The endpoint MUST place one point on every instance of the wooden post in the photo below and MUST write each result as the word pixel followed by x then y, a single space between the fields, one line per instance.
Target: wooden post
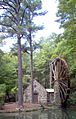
pixel 50 65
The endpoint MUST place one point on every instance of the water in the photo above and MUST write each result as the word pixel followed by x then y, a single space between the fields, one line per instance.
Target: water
pixel 51 114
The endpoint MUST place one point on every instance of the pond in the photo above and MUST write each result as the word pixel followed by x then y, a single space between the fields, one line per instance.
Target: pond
pixel 51 114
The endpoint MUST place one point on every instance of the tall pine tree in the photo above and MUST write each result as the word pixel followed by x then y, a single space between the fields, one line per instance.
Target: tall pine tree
pixel 12 23
pixel 17 21
pixel 34 9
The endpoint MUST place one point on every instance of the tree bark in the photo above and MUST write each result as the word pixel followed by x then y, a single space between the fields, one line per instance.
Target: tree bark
pixel 20 89
pixel 31 67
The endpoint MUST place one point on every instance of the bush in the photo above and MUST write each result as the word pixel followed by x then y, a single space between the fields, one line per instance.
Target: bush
pixel 2 94
pixel 72 98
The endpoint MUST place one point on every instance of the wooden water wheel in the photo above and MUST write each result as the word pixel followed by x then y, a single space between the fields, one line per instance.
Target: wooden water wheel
pixel 59 79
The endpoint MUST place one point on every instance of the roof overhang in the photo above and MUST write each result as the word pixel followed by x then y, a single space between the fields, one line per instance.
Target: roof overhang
pixel 50 90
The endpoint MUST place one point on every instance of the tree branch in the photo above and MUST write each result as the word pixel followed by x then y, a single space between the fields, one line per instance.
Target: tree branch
pixel 2 3
pixel 13 1
pixel 13 20
pixel 7 4
pixel 22 16
pixel 7 25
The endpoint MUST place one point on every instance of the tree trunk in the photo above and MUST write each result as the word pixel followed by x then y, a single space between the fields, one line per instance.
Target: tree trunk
pixel 20 92
pixel 31 66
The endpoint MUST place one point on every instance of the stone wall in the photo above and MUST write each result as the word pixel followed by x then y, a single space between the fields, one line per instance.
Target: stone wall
pixel 42 94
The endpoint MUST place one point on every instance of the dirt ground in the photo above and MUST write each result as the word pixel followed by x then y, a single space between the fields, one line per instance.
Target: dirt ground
pixel 12 107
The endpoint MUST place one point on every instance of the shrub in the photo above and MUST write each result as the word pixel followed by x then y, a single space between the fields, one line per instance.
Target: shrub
pixel 72 98
pixel 2 94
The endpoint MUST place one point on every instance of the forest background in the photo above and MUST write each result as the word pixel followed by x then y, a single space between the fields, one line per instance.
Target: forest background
pixel 44 51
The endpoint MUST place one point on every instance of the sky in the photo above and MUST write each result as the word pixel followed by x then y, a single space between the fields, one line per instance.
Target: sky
pixel 47 20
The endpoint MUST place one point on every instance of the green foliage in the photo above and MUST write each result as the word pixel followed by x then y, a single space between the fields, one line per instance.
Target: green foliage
pixel 26 69
pixel 42 59
pixel 12 21
pixel 67 18
pixel 14 90
pixel 62 45
pixel 2 90
pixel 2 94
pixel 72 98
pixel 8 70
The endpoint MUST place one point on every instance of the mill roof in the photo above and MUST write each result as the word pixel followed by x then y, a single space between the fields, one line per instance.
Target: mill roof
pixel 50 90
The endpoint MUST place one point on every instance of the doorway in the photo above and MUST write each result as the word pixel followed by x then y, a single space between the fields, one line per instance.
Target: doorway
pixel 35 97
